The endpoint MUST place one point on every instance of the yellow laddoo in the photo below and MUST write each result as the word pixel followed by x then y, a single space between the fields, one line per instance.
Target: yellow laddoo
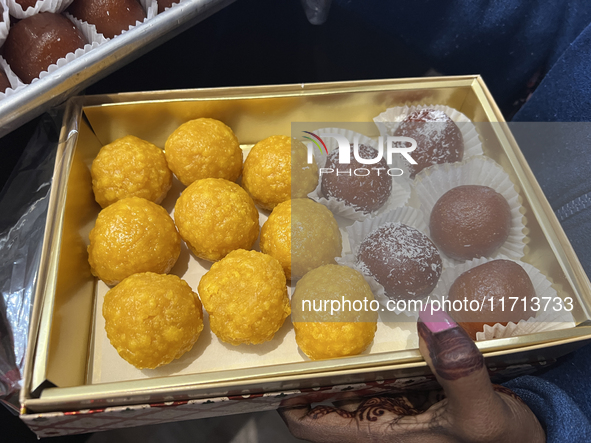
pixel 269 167
pixel 334 312
pixel 304 175
pixel 216 216
pixel 276 236
pixel 130 236
pixel 203 148
pixel 130 167
pixel 246 297
pixel 151 319
pixel 315 236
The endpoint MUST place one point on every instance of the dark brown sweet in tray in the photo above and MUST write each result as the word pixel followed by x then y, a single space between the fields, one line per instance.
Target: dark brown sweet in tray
pixel 163 4
pixel 364 187
pixel 111 17
pixel 491 284
pixel 4 83
pixel 470 221
pixel 438 138
pixel 402 259
pixel 37 42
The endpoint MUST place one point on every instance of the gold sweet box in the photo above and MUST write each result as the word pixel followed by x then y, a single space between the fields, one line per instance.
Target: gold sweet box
pixel 75 382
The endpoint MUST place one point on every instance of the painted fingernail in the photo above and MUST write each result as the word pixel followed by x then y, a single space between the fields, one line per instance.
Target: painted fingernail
pixel 436 320
pixel 453 353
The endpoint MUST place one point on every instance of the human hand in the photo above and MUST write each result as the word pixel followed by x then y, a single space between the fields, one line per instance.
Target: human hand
pixel 473 410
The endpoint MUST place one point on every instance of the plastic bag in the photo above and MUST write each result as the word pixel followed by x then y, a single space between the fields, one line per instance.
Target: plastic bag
pixel 23 212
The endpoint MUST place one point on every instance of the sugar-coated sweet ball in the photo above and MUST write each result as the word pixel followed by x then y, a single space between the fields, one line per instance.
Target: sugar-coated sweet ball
pixel 492 285
pixel 214 217
pixel 470 221
pixel 402 259
pixel 325 330
pixel 130 236
pixel 363 187
pixel 268 170
pixel 439 140
pixel 245 295
pixel 315 237
pixel 152 319
pixel 276 236
pixel 203 148
pixel 38 41
pixel 111 17
pixel 130 167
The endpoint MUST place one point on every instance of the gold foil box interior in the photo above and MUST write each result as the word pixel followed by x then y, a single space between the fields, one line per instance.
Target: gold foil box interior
pixel 65 367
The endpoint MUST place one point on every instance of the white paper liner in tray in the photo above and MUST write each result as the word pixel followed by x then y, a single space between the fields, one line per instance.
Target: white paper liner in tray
pixel 432 182
pixel 388 121
pixel 358 231
pixel 15 83
pixel 400 186
pixel 5 22
pixel 89 33
pixel 172 6
pixel 544 320
pixel 17 10
pixel 150 8
pixel 91 36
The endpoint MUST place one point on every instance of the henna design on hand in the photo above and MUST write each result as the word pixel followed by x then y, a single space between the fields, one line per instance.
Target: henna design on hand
pixel 370 409
pixel 373 408
pixel 321 411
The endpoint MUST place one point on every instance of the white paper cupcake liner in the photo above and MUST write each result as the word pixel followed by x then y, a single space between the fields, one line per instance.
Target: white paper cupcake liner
pixel 400 187
pixel 5 23
pixel 15 83
pixel 150 8
pixel 432 182
pixel 389 120
pixel 90 33
pixel 358 231
pixel 544 319
pixel 17 10
pixel 91 36
pixel 172 6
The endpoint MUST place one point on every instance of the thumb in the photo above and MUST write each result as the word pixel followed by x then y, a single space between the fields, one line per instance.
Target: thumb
pixel 459 367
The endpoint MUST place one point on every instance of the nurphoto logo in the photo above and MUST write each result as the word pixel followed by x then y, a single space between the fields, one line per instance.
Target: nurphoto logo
pixel 394 145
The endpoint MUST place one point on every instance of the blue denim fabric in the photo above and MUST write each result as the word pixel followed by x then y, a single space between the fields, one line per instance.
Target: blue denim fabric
pixel 506 41
pixel 559 156
pixel 564 95
pixel 560 397
pixel 561 416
